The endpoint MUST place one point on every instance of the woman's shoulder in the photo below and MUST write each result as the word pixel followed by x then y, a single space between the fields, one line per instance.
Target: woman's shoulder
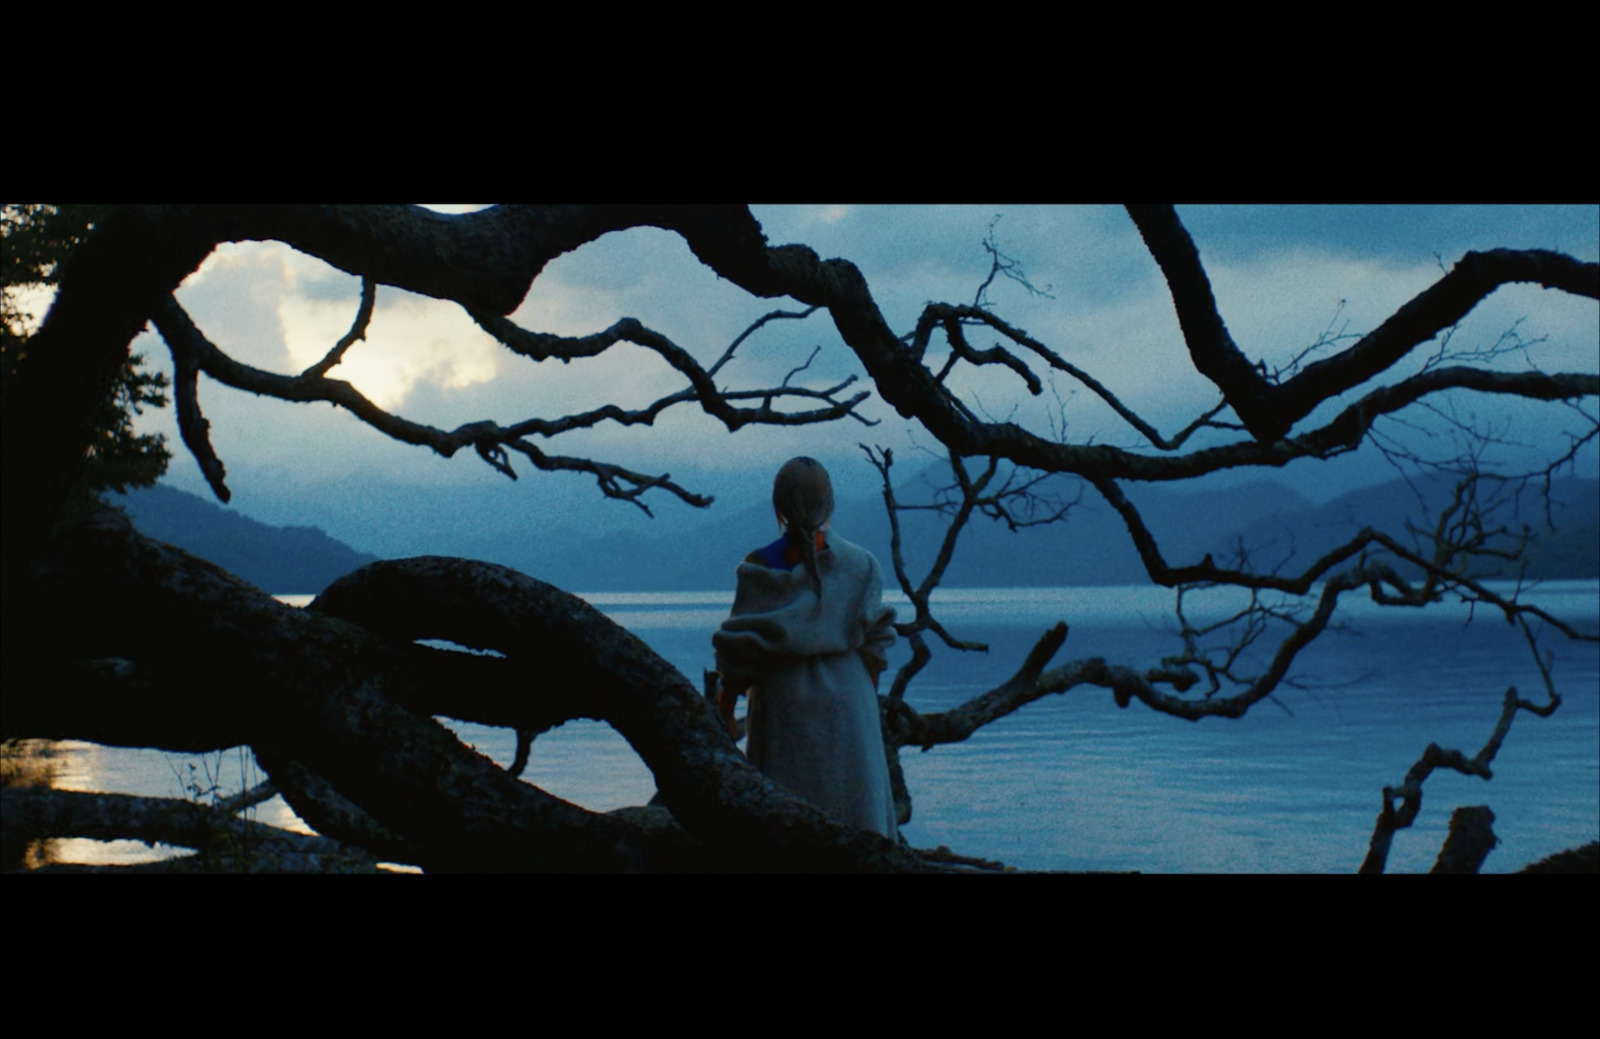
pixel 850 553
pixel 837 554
pixel 773 556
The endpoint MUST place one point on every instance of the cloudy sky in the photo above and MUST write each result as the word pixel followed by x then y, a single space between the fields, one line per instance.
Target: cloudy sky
pixel 1283 276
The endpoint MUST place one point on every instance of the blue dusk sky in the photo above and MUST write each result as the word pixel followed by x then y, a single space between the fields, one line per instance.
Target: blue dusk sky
pixel 1283 276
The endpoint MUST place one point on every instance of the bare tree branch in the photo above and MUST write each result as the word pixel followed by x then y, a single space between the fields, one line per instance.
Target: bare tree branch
pixel 950 318
pixel 774 315
pixel 194 352
pixel 1211 346
pixel 214 831
pixel 1001 265
pixel 329 812
pixel 703 780
pixel 354 708
pixel 1585 859
pixel 358 331
pixel 919 594
pixel 1461 534
pixel 170 652
pixel 1469 842
pixel 704 390
pixel 916 392
pixel 248 798
pixel 1401 804
pixel 486 260
pixel 1387 585
pixel 1268 411
pixel 192 425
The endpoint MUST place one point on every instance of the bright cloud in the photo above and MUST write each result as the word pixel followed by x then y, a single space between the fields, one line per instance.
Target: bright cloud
pixel 1111 315
pixel 410 340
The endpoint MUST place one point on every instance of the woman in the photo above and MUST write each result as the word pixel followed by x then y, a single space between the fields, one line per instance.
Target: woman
pixel 808 637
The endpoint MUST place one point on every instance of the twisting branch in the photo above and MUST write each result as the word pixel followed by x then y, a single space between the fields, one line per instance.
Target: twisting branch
pixel 1009 502
pixel 192 424
pixel 1388 587
pixel 919 594
pixel 193 352
pixel 797 369
pixel 353 701
pixel 897 717
pixel 1211 345
pixel 542 347
pixel 1469 841
pixel 487 260
pixel 706 784
pixel 1001 265
pixel 1245 628
pixel 611 478
pixel 249 798
pixel 1434 309
pixel 1401 804
pixel 1567 457
pixel 117 636
pixel 775 315
pixel 222 838
pixel 1126 684
pixel 1509 342
pixel 1468 463
pixel 1323 341
pixel 1460 536
pixel 907 727
pixel 1269 411
pixel 329 812
pixel 975 494
pixel 1454 540
pixel 960 429
pixel 358 331
pixel 951 318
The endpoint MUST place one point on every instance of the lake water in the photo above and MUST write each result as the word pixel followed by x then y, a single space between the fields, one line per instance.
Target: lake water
pixel 1074 783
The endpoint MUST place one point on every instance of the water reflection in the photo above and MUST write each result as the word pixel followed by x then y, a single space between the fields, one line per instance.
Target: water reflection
pixel 1074 783
pixel 204 778
pixel 23 764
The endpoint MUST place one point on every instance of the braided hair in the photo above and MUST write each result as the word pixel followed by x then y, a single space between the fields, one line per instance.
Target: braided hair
pixel 802 495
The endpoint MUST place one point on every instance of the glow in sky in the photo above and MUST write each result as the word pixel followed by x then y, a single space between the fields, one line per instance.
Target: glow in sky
pixel 1281 275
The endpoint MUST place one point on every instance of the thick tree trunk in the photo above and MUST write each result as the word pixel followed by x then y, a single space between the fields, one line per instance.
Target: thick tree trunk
pixel 121 640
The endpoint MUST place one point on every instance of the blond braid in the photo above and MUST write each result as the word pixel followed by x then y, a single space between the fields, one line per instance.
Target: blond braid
pixel 802 495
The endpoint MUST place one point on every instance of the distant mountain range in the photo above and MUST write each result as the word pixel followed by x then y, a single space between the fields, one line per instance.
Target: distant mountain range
pixel 1272 525
pixel 281 560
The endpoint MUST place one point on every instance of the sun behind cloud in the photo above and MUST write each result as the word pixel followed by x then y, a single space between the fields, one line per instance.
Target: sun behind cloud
pixel 411 339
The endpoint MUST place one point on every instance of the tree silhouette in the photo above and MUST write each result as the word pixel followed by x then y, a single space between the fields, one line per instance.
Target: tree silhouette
pixel 39 239
pixel 114 638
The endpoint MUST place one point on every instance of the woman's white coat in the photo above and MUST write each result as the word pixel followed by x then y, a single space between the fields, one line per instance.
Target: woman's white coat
pixel 813 721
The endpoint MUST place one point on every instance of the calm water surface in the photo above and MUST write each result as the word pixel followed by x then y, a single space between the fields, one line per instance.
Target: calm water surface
pixel 1073 782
